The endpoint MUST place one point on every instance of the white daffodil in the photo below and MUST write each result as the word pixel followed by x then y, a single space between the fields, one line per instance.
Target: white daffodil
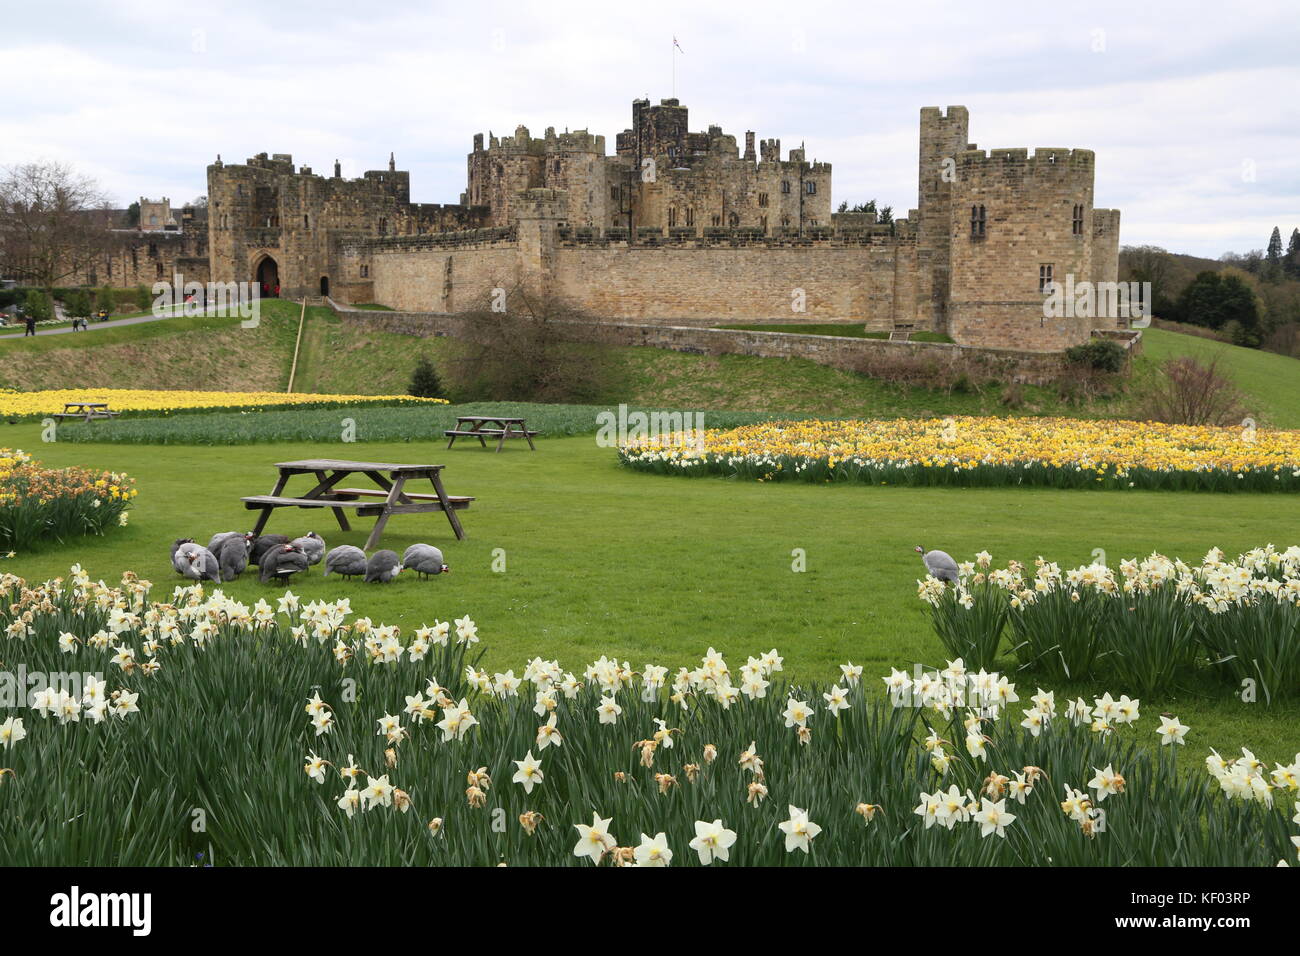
pixel 11 731
pixel 350 801
pixel 529 773
pixel 609 710
pixel 548 736
pixel 378 792
pixel 594 841
pixel 796 713
pixel 1171 731
pixel 653 852
pixel 836 700
pixel 993 818
pixel 1106 782
pixel 712 841
pixel 315 767
pixel 799 830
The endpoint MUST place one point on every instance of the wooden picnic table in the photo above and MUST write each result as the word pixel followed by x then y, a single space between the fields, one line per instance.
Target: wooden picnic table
pixel 490 426
pixel 390 485
pixel 86 411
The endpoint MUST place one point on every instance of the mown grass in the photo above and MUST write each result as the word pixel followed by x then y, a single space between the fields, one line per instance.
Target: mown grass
pixel 364 424
pixel 601 560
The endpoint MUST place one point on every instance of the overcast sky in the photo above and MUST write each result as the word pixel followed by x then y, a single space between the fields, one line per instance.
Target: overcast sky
pixel 1191 107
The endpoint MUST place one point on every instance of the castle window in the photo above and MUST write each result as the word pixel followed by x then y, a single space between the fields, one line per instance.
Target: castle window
pixel 978 221
pixel 735 220
pixel 157 269
pixel 717 221
pixel 557 166
pixel 810 188
pixel 763 223
pixel 614 193
pixel 672 217
pixel 305 224
pixel 153 250
pixel 383 227
pixel 1077 223
pixel 365 272
pixel 690 217
pixel 762 200
pixel 785 185
pixel 1045 278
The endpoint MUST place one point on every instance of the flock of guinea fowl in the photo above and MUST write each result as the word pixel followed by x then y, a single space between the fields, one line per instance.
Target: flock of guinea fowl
pixel 278 558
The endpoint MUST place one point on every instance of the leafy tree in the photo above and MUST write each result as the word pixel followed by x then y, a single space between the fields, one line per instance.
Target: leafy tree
pixel 1291 263
pixel 886 214
pixel 1273 256
pixel 104 299
pixel 133 215
pixel 1213 299
pixel 425 382
pixel 77 304
pixel 38 305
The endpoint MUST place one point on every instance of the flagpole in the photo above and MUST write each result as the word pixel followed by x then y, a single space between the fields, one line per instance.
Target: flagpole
pixel 673 52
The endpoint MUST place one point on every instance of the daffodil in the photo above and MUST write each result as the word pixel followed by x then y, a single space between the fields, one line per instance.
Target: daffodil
pixel 529 773
pixel 712 841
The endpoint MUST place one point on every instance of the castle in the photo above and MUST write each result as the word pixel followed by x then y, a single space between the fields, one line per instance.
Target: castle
pixel 681 227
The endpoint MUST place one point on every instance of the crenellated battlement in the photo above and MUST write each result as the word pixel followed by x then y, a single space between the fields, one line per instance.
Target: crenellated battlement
pixel 1049 158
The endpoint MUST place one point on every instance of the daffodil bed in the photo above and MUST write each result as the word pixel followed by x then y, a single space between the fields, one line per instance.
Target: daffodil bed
pixel 159 732
pixel 15 404
pixel 55 504
pixel 974 451
pixel 1148 628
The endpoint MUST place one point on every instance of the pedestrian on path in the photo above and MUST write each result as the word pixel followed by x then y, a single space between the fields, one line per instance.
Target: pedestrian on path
pixel 31 325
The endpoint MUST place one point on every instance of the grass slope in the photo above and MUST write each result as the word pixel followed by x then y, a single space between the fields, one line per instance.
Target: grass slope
pixel 602 560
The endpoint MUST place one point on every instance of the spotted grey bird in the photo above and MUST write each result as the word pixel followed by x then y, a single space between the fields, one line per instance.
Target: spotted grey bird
pixel 281 562
pixel 214 544
pixel 346 560
pixel 201 564
pixel 232 554
pixel 424 560
pixel 265 543
pixel 312 545
pixel 939 563
pixel 383 566
pixel 180 554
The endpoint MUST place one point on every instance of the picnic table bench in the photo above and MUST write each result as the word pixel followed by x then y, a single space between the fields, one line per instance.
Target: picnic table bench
pixel 490 426
pixel 390 485
pixel 86 411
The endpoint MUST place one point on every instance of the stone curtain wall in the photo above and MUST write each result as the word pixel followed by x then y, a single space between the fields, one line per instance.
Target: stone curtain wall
pixel 834 351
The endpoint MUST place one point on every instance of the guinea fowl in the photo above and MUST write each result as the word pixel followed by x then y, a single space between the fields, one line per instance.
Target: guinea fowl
pixel 424 560
pixel 232 555
pixel 940 564
pixel 281 563
pixel 201 563
pixel 383 566
pixel 214 545
pixel 312 545
pixel 346 560
pixel 180 554
pixel 264 544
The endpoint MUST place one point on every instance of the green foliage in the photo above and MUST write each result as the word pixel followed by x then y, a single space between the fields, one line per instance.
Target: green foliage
pixel 77 304
pixel 1102 355
pixel 1214 299
pixel 106 300
pixel 38 305
pixel 143 298
pixel 424 381
pixel 240 757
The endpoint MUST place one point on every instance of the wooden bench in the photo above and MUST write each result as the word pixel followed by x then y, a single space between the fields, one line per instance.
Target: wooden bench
pixel 390 480
pixel 86 411
pixel 487 426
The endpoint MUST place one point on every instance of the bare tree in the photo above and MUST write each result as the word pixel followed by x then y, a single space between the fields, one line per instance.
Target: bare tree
pixel 51 223
pixel 1189 393
pixel 520 347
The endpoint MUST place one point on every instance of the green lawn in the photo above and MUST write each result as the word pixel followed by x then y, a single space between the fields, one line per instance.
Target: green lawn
pixel 602 560
pixel 1270 381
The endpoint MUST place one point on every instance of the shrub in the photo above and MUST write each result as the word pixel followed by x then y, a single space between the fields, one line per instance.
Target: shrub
pixel 523 354
pixel 1189 393
pixel 38 305
pixel 1102 355
pixel 77 304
